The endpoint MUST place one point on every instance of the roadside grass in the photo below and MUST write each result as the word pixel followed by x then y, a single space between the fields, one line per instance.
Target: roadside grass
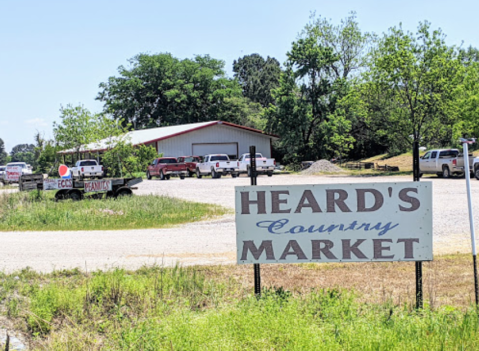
pixel 200 308
pixel 7 186
pixel 39 211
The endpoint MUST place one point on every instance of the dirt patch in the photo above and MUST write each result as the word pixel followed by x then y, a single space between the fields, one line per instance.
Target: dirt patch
pixel 448 280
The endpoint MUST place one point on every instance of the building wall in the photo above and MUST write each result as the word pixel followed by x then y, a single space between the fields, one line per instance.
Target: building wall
pixel 182 145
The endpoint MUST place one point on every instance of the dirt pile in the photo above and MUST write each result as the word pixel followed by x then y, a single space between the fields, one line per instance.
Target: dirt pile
pixel 322 166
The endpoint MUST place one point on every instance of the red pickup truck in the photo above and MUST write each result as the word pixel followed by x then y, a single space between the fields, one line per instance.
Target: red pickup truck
pixel 190 162
pixel 164 167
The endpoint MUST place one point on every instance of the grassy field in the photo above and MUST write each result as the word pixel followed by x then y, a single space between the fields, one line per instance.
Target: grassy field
pixel 8 187
pixel 39 211
pixel 212 308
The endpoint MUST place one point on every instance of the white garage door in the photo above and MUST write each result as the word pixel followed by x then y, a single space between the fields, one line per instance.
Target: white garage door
pixel 231 149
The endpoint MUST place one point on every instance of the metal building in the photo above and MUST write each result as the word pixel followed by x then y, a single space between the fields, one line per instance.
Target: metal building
pixel 196 139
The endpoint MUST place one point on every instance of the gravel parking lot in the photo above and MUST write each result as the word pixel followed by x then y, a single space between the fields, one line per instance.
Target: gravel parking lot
pixel 208 242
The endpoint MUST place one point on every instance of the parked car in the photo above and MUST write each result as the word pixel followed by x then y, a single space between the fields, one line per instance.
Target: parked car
pixel 164 167
pixel 263 165
pixel 87 169
pixel 217 165
pixel 190 162
pixel 443 162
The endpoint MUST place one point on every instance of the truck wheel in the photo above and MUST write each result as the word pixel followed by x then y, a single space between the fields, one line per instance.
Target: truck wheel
pixel 213 173
pixel 446 173
pixel 249 171
pixel 190 174
pixel 74 195
pixel 162 176
pixel 476 173
pixel 167 177
pixel 182 176
pixel 60 194
pixel 234 175
pixel 123 192
pixel 148 175
pixel 439 174
pixel 269 173
pixel 198 173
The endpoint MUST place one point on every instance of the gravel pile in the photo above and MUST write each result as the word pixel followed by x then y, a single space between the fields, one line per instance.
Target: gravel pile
pixel 322 166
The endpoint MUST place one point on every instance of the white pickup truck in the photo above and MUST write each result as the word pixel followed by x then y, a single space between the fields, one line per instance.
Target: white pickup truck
pixel 87 169
pixel 217 165
pixel 263 165
pixel 443 162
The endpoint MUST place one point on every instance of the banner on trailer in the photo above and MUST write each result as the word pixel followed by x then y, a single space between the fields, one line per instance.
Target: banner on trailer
pixel 13 173
pixel 334 223
pixel 97 185
pixel 57 184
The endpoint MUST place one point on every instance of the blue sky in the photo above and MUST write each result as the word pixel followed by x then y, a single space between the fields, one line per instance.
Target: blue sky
pixel 53 53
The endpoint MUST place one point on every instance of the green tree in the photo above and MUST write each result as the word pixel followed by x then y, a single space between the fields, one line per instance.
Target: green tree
pixel 79 127
pixel 313 115
pixel 469 56
pixel 412 84
pixel 3 153
pixel 347 42
pixel 467 104
pixel 242 111
pixel 257 77
pixel 306 100
pixel 160 90
pixel 23 153
pixel 144 154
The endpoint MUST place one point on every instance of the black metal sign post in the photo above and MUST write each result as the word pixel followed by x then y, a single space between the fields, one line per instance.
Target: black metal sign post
pixel 253 175
pixel 416 176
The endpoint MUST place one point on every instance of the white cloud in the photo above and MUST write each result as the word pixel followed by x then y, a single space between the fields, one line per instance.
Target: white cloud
pixel 36 122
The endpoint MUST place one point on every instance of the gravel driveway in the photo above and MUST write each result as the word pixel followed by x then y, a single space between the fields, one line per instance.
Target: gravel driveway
pixel 209 242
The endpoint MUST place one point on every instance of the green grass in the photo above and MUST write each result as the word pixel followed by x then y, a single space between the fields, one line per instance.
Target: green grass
pixel 39 211
pixel 182 309
pixel 7 187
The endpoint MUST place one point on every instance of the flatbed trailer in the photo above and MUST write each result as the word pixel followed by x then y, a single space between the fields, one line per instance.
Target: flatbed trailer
pixel 116 187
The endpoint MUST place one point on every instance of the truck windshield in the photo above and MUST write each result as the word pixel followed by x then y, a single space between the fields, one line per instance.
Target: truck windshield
pixel 257 156
pixel 23 165
pixel 219 158
pixel 88 163
pixel 2 169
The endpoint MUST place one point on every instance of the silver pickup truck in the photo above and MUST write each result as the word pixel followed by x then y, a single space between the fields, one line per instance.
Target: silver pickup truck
pixel 443 162
pixel 475 167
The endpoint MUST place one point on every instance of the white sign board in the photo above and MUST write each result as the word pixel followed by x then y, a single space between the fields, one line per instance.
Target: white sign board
pixel 334 222
pixel 13 173
pixel 97 185
pixel 57 184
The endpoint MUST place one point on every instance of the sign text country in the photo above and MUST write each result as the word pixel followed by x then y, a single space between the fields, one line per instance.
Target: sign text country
pixel 336 222
pixel 97 185
pixel 57 184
